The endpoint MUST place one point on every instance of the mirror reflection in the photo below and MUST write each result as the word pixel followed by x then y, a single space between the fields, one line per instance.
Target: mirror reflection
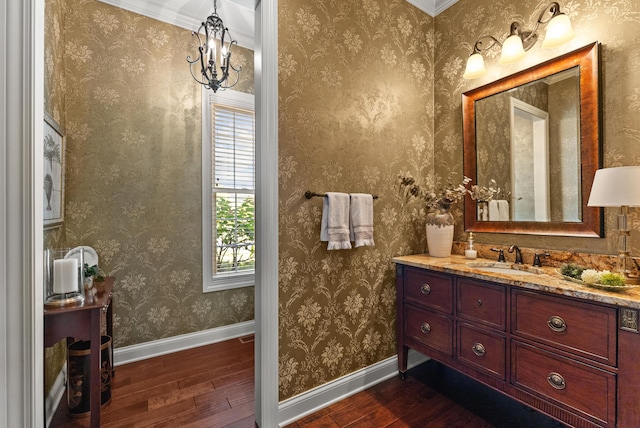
pixel 528 140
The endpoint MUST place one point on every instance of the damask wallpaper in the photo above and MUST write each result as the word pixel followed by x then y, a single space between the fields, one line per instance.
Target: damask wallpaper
pixel 133 187
pixel 356 109
pixel 54 88
pixel 613 23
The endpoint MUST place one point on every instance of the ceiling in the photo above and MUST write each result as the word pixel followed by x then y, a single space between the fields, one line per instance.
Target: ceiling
pixel 237 14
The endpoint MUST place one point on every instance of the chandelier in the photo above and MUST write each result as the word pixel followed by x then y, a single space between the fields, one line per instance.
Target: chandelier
pixel 214 54
pixel 559 31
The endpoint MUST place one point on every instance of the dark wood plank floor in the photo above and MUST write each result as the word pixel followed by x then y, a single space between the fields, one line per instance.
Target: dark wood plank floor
pixel 209 386
pixel 212 386
pixel 431 396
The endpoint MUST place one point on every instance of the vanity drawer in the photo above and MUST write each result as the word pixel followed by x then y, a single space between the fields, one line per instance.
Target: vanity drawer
pixel 429 289
pixel 482 302
pixel 580 387
pixel 581 328
pixel 430 329
pixel 481 349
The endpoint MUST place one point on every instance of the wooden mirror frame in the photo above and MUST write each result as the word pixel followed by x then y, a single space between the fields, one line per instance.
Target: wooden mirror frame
pixel 587 58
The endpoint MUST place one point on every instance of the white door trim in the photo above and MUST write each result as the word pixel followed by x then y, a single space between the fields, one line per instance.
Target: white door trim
pixel 266 288
pixel 21 298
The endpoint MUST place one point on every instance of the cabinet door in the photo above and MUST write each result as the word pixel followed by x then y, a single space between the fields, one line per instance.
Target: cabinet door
pixel 482 302
pixel 578 387
pixel 429 289
pixel 581 328
pixel 482 349
pixel 429 328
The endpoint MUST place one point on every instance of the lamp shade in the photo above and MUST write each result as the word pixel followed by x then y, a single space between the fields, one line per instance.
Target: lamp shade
pixel 616 187
pixel 475 67
pixel 559 31
pixel 512 50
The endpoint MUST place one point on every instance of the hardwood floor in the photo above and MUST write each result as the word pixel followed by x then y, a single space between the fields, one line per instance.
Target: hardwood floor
pixel 431 396
pixel 209 386
pixel 212 386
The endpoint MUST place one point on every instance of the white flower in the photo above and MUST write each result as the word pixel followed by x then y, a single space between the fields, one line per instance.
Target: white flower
pixel 591 276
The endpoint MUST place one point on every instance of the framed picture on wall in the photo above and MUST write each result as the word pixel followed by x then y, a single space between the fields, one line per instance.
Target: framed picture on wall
pixel 53 173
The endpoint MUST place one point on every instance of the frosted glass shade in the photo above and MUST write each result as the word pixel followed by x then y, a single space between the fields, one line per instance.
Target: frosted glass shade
pixel 559 31
pixel 475 67
pixel 616 187
pixel 512 50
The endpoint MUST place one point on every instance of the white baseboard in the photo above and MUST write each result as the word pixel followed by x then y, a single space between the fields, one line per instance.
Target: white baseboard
pixel 142 351
pixel 294 408
pixel 55 395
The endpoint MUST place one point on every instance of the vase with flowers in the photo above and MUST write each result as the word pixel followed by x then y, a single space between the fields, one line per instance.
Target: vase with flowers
pixel 439 220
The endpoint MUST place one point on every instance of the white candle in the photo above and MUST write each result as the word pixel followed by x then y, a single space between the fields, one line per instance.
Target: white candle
pixel 471 254
pixel 65 276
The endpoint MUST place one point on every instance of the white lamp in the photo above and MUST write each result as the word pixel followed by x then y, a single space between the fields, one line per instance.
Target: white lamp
pixel 618 187
pixel 512 50
pixel 559 31
pixel 475 67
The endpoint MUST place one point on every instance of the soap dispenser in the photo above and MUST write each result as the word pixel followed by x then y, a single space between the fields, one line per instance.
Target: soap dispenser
pixel 470 253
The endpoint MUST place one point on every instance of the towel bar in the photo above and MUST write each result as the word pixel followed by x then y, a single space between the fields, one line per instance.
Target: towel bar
pixel 309 194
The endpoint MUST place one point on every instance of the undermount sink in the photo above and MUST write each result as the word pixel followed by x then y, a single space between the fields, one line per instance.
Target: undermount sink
pixel 506 268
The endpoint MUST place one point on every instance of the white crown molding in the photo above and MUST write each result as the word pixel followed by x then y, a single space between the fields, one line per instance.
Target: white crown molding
pixel 239 18
pixel 432 7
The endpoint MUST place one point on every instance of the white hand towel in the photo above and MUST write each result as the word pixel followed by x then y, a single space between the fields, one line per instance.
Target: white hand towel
pixel 503 209
pixel 494 211
pixel 361 215
pixel 335 221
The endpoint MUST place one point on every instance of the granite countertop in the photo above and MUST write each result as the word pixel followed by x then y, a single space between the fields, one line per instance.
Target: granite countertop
pixel 546 279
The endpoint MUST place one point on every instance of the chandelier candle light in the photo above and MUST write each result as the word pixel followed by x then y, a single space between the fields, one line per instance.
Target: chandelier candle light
pixel 214 32
pixel 559 31
pixel 618 187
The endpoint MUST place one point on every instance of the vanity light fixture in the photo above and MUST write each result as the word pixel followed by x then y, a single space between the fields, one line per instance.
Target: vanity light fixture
pixel 618 187
pixel 514 48
pixel 214 62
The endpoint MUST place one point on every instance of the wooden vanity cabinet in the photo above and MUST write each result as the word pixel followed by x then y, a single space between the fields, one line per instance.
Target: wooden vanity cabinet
pixel 577 361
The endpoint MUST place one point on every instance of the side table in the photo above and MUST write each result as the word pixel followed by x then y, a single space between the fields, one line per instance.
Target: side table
pixel 82 322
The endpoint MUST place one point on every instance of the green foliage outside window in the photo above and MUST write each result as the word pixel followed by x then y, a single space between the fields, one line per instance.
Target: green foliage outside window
pixel 235 235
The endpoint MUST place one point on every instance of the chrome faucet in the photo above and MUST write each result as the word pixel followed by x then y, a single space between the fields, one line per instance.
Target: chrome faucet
pixel 518 254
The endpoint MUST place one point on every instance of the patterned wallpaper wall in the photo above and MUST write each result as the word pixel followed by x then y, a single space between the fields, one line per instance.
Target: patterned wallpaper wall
pixel 54 104
pixel 134 169
pixel 614 23
pixel 356 109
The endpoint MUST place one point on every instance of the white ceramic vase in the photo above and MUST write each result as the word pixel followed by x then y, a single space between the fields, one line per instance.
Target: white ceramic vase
pixel 440 233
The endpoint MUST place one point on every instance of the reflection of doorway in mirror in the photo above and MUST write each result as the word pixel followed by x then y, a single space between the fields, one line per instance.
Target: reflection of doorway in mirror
pixel 529 162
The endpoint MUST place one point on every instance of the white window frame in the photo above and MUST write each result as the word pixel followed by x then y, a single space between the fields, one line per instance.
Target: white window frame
pixel 225 281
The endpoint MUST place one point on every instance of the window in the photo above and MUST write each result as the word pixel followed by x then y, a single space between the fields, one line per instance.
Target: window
pixel 228 186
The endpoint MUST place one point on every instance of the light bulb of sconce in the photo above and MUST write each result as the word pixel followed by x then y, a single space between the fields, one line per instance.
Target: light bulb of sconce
pixel 475 67
pixel 559 31
pixel 512 50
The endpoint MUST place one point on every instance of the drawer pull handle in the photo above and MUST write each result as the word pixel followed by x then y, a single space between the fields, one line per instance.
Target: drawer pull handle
pixel 478 349
pixel 557 324
pixel 425 289
pixel 425 328
pixel 479 302
pixel 556 380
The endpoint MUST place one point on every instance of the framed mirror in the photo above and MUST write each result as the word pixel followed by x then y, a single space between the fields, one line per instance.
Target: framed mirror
pixel 537 134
